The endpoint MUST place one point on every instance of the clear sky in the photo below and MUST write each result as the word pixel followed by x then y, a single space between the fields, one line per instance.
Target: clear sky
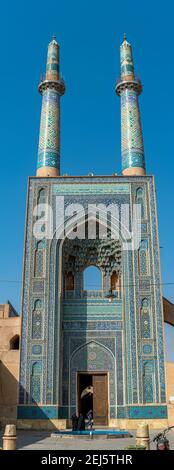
pixel 90 33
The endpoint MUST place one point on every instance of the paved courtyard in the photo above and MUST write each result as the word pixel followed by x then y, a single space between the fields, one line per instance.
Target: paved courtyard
pixel 42 440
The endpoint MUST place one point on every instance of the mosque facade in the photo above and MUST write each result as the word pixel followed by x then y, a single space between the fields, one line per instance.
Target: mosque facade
pixel 91 349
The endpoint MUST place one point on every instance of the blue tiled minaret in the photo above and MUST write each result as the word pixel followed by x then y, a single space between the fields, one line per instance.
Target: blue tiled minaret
pixel 51 88
pixel 129 88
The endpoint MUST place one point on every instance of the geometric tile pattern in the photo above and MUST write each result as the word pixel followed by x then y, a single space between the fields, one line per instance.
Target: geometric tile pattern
pixel 145 320
pixel 131 133
pixel 39 263
pixel 37 325
pixel 147 349
pixel 49 141
pixel 37 349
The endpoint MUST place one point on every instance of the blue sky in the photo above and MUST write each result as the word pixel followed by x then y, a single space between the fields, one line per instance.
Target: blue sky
pixel 90 33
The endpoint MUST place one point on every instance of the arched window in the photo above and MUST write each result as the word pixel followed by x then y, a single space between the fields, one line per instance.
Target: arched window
pixel 39 259
pixel 115 281
pixel 140 200
pixel 148 382
pixel 41 199
pixel 14 342
pixel 35 386
pixel 69 281
pixel 37 304
pixel 37 320
pixel 41 196
pixel 92 278
pixel 145 319
pixel 143 257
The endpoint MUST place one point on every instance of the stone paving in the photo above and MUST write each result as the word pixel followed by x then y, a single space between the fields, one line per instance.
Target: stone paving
pixel 42 440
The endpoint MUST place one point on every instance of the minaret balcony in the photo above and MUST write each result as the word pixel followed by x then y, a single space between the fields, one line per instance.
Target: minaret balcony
pixel 57 84
pixel 126 83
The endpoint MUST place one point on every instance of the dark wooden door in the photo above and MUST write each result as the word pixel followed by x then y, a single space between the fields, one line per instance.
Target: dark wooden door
pixel 100 399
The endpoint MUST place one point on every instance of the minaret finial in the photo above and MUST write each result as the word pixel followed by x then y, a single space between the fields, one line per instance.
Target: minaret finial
pixel 124 37
pixel 52 87
pixel 128 87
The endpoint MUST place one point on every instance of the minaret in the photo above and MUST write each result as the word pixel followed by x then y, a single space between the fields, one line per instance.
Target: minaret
pixel 51 88
pixel 129 88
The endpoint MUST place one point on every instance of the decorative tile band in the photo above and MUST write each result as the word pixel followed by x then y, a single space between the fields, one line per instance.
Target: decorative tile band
pixel 143 412
pixel 93 325
pixel 48 158
pixel 125 412
pixel 132 158
pixel 95 188
pixel 37 412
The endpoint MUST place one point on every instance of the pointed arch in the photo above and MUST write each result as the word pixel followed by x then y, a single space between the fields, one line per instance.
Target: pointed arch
pixel 14 342
pixel 41 196
pixel 90 342
pixel 92 273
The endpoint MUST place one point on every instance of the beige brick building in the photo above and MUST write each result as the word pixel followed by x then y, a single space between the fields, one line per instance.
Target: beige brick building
pixel 9 361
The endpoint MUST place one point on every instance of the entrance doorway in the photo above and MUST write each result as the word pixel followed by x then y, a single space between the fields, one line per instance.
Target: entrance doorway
pixel 93 395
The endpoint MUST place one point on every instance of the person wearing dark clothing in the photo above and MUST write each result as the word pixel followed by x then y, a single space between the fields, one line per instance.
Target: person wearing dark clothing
pixel 81 423
pixel 74 422
pixel 90 419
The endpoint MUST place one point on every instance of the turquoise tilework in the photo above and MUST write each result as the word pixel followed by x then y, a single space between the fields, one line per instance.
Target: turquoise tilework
pixel 49 140
pixel 95 188
pixel 142 412
pixel 55 412
pixel 131 133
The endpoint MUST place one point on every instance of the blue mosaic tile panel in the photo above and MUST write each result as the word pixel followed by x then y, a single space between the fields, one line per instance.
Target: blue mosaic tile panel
pixel 148 412
pixel 37 412
pixel 54 412
pixel 35 389
pixel 37 325
pixel 37 349
pixel 38 286
pixel 142 412
pixel 148 382
pixel 147 349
